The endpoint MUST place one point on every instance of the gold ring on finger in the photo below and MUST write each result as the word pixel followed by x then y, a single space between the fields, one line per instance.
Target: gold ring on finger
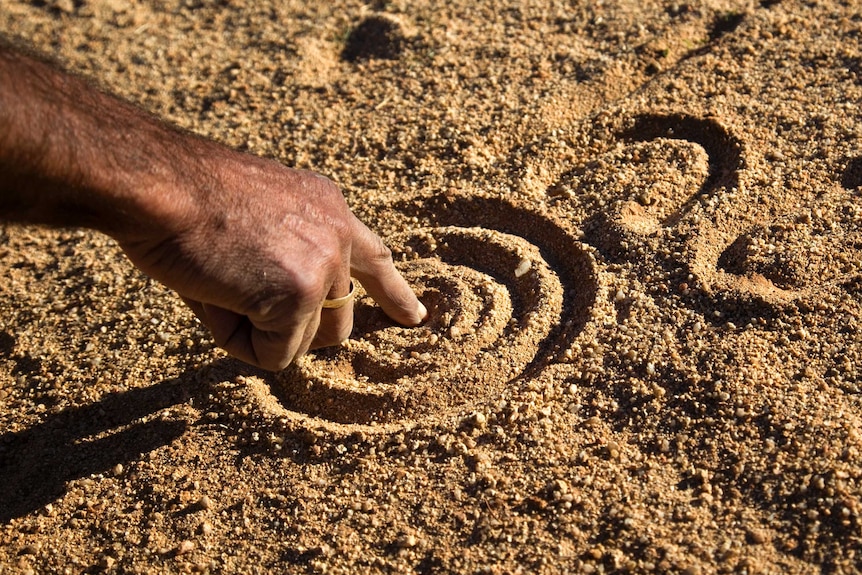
pixel 342 301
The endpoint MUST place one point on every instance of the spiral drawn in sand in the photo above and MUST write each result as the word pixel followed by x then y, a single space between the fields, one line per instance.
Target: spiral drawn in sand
pixel 503 304
pixel 722 148
pixel 726 284
pixel 741 269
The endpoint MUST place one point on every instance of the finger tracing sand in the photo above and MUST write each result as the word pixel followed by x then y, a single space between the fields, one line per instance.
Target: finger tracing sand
pixel 635 224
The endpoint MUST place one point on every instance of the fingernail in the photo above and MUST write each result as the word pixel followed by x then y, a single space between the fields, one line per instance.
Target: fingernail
pixel 423 312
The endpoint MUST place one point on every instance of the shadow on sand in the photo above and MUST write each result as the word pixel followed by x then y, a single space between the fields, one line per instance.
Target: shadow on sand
pixel 36 463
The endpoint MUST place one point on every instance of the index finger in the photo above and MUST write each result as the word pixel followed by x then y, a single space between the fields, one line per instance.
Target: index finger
pixel 371 263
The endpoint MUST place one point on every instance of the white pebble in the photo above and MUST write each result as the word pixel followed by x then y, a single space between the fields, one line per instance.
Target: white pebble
pixel 205 502
pixel 523 267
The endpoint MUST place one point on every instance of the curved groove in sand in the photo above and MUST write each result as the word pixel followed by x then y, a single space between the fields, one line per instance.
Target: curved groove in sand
pixel 508 291
pixel 734 281
pixel 722 148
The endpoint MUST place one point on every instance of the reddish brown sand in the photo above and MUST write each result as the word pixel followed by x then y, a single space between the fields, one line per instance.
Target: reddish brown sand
pixel 636 223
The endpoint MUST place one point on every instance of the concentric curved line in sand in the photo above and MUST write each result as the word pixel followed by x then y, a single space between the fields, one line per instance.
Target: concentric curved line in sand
pixel 734 279
pixel 723 287
pixel 722 148
pixel 504 303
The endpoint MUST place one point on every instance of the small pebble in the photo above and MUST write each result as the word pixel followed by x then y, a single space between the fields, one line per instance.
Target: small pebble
pixel 67 6
pixel 205 503
pixel 185 547
pixel 523 267
pixel 756 536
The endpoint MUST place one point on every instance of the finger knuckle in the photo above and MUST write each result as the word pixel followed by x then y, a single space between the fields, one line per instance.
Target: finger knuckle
pixel 330 256
pixel 380 252
pixel 328 190
pixel 308 289
pixel 343 230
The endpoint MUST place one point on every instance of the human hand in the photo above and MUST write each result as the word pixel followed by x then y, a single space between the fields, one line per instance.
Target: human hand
pixel 254 248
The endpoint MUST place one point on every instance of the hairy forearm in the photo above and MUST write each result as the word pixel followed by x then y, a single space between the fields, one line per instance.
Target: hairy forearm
pixel 71 155
pixel 254 247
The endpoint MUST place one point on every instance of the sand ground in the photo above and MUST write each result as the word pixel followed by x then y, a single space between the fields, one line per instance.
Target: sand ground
pixel 636 223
